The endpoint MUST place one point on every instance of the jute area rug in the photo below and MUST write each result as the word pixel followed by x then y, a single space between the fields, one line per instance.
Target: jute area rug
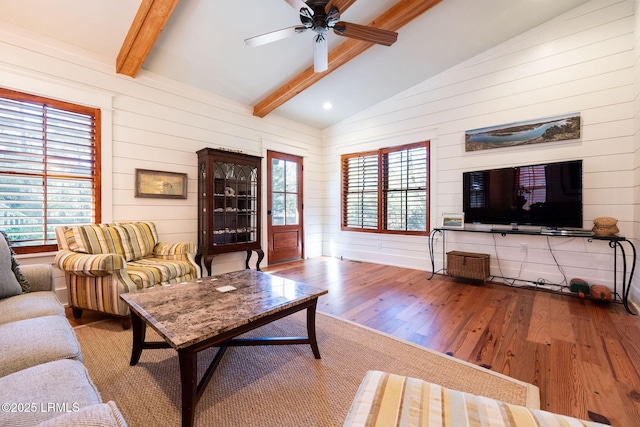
pixel 274 386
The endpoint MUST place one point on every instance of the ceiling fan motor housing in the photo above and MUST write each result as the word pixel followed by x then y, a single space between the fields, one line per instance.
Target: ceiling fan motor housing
pixel 320 22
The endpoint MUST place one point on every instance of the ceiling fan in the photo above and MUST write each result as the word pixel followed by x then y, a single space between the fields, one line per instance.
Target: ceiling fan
pixel 321 16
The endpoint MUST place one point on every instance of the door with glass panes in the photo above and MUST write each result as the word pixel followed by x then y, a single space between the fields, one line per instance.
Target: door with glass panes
pixel 284 207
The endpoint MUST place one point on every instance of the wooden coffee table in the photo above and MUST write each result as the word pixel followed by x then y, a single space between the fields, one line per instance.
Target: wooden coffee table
pixel 203 313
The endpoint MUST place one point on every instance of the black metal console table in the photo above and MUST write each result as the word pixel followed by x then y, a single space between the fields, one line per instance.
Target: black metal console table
pixel 615 242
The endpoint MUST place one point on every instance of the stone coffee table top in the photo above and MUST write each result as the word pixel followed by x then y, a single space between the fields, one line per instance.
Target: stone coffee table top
pixel 190 312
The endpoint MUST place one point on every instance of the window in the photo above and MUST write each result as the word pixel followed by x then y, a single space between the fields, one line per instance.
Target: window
pixel 478 189
pixel 387 191
pixel 532 186
pixel 49 168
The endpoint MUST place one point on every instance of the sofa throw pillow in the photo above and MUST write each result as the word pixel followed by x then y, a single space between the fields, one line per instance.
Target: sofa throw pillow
pixel 15 267
pixel 9 285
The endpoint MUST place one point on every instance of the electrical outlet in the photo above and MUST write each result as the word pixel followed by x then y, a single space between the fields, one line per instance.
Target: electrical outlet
pixel 524 247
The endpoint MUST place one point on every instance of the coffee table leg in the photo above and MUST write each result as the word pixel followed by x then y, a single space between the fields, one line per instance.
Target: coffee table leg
pixel 311 329
pixel 188 378
pixel 139 332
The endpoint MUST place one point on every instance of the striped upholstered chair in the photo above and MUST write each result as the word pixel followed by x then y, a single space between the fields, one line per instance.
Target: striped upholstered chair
pixel 102 261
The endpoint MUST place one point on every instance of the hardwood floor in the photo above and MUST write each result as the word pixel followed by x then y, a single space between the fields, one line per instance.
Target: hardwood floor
pixel 584 356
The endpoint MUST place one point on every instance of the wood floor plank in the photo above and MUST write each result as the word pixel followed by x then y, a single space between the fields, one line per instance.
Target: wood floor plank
pixel 560 317
pixel 465 342
pixel 568 394
pixel 490 341
pixel 584 356
pixel 594 378
pixel 540 325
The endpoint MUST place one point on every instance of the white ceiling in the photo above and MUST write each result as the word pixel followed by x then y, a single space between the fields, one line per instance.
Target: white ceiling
pixel 203 45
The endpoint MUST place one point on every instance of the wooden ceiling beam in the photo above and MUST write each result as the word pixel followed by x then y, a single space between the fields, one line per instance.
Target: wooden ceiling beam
pixel 341 5
pixel 393 19
pixel 143 33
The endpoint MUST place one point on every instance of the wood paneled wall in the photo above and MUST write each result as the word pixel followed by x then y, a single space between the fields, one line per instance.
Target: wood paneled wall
pixel 582 61
pixel 635 294
pixel 156 123
pixel 586 60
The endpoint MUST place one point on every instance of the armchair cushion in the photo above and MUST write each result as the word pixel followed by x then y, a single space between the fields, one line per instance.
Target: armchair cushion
pixel 148 272
pixel 131 240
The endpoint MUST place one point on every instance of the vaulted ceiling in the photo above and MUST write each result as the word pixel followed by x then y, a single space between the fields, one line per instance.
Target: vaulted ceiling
pixel 201 43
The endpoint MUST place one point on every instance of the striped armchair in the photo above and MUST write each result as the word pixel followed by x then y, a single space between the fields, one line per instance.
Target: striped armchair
pixel 102 261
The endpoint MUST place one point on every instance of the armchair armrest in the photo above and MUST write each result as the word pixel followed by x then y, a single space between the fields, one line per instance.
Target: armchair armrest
pixel 89 265
pixel 40 276
pixel 174 250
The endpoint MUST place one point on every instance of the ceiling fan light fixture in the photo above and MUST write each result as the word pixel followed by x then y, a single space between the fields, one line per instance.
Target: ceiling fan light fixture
pixel 320 54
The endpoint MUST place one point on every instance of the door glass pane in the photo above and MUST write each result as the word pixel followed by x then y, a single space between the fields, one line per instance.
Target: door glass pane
pixel 277 175
pixel 292 177
pixel 292 209
pixel 277 209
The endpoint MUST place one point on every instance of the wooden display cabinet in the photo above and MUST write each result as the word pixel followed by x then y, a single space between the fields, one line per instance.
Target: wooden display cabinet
pixel 228 205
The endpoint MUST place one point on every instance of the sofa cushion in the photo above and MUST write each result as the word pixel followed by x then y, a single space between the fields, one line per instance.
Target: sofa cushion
pixel 63 383
pixel 31 342
pixel 102 415
pixel 9 285
pixel 28 306
pixel 385 399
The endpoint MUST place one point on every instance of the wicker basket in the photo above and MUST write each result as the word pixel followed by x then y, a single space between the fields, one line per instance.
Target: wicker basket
pixel 605 226
pixel 469 265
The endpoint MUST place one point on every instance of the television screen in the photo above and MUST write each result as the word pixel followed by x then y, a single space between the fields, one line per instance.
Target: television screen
pixel 548 195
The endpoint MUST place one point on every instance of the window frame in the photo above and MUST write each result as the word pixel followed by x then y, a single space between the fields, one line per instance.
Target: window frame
pixel 97 164
pixel 382 190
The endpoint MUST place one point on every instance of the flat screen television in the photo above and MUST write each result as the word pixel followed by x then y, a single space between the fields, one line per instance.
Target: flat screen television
pixel 546 195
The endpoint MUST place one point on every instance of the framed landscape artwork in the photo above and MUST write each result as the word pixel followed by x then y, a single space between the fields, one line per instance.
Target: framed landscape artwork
pixel 159 184
pixel 559 128
pixel 453 220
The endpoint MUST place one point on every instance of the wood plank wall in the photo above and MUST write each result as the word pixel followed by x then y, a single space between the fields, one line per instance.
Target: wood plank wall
pixel 156 123
pixel 635 295
pixel 582 61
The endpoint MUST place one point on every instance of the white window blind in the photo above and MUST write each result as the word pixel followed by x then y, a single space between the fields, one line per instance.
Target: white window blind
pixel 48 167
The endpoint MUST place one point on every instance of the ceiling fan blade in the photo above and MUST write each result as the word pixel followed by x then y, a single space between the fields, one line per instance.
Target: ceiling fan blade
pixel 320 53
pixel 299 4
pixel 341 5
pixel 274 36
pixel 368 34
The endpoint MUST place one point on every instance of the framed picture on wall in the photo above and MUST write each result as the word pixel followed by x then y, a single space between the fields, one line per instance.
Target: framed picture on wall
pixel 453 220
pixel 159 184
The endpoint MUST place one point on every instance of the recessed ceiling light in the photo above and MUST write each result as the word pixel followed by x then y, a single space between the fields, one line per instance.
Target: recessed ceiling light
pixel 327 105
